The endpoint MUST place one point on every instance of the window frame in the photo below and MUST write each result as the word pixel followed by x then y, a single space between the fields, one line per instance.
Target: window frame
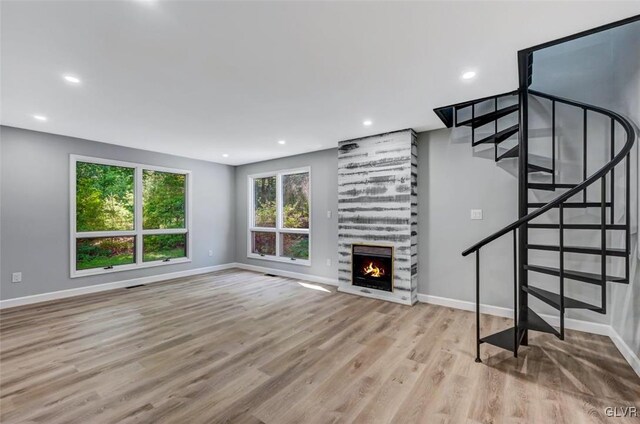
pixel 138 231
pixel 279 229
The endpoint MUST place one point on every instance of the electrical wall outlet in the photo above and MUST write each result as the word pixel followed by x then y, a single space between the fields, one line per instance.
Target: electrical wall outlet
pixel 16 277
pixel 329 214
pixel 476 213
pixel 328 262
pixel 210 252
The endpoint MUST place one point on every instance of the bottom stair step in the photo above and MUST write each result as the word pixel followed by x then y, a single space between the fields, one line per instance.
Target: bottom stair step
pixel 505 339
pixel 536 323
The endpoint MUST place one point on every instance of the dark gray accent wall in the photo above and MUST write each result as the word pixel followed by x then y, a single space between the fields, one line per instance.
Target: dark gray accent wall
pixel 34 211
pixel 324 197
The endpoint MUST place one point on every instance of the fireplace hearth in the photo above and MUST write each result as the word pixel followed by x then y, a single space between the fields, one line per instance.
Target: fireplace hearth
pixel 372 267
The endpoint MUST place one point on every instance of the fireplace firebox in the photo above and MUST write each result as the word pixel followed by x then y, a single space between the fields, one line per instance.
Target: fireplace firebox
pixel 372 266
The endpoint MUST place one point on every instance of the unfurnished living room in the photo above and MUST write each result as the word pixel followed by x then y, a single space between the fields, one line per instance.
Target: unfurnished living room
pixel 319 211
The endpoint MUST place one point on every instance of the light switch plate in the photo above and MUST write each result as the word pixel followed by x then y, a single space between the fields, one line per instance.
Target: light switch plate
pixel 16 277
pixel 476 213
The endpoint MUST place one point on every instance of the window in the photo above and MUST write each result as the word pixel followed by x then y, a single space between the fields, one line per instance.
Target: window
pixel 279 208
pixel 127 216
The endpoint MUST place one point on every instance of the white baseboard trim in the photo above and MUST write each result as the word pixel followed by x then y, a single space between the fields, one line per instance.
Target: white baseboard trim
pixel 61 294
pixel 572 324
pixel 569 323
pixel 289 274
pixel 625 350
pixel 464 305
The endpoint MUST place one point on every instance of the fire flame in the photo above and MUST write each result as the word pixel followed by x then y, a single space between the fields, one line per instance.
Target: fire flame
pixel 373 271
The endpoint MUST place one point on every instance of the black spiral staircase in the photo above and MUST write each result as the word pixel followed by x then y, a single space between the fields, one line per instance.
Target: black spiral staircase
pixel 514 107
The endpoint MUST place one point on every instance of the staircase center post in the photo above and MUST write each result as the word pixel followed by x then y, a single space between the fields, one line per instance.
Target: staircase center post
pixel 524 59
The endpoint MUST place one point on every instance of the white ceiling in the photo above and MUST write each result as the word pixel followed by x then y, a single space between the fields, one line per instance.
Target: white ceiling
pixel 199 79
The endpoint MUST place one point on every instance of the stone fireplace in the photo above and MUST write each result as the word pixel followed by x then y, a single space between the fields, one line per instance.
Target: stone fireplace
pixel 377 217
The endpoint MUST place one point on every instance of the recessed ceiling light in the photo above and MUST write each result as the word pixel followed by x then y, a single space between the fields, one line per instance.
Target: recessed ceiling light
pixel 468 75
pixel 282 142
pixel 225 155
pixel 367 123
pixel 40 117
pixel 72 79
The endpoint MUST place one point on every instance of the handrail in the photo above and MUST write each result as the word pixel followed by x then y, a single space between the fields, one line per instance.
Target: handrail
pixel 627 126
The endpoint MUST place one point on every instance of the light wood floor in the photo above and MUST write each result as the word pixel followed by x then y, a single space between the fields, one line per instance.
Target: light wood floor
pixel 237 346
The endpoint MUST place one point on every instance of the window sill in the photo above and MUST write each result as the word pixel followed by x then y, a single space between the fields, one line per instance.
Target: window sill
pixel 132 267
pixel 302 262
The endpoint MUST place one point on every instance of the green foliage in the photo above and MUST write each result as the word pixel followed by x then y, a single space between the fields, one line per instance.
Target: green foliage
pixel 104 197
pixel 264 243
pixel 264 192
pixel 104 251
pixel 266 214
pixel 105 202
pixel 163 246
pixel 299 248
pixel 163 200
pixel 164 254
pixel 296 215
pixel 296 200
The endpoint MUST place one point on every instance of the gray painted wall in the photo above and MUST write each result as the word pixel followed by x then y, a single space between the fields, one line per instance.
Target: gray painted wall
pixel 34 215
pixel 604 63
pixel 451 182
pixel 324 197
pixel 625 300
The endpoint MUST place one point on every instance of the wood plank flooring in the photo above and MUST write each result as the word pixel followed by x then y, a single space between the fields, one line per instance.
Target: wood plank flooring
pixel 238 346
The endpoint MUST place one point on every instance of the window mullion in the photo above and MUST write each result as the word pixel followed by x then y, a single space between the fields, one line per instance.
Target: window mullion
pixel 94 234
pixel 252 202
pixel 161 231
pixel 137 201
pixel 279 222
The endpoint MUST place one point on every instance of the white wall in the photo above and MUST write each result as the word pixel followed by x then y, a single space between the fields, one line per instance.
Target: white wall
pixel 35 211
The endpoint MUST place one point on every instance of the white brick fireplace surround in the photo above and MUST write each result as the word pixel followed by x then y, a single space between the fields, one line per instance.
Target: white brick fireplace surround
pixel 378 205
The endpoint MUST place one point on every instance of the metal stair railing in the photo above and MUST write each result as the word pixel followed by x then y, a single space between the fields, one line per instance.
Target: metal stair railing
pixel 560 202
